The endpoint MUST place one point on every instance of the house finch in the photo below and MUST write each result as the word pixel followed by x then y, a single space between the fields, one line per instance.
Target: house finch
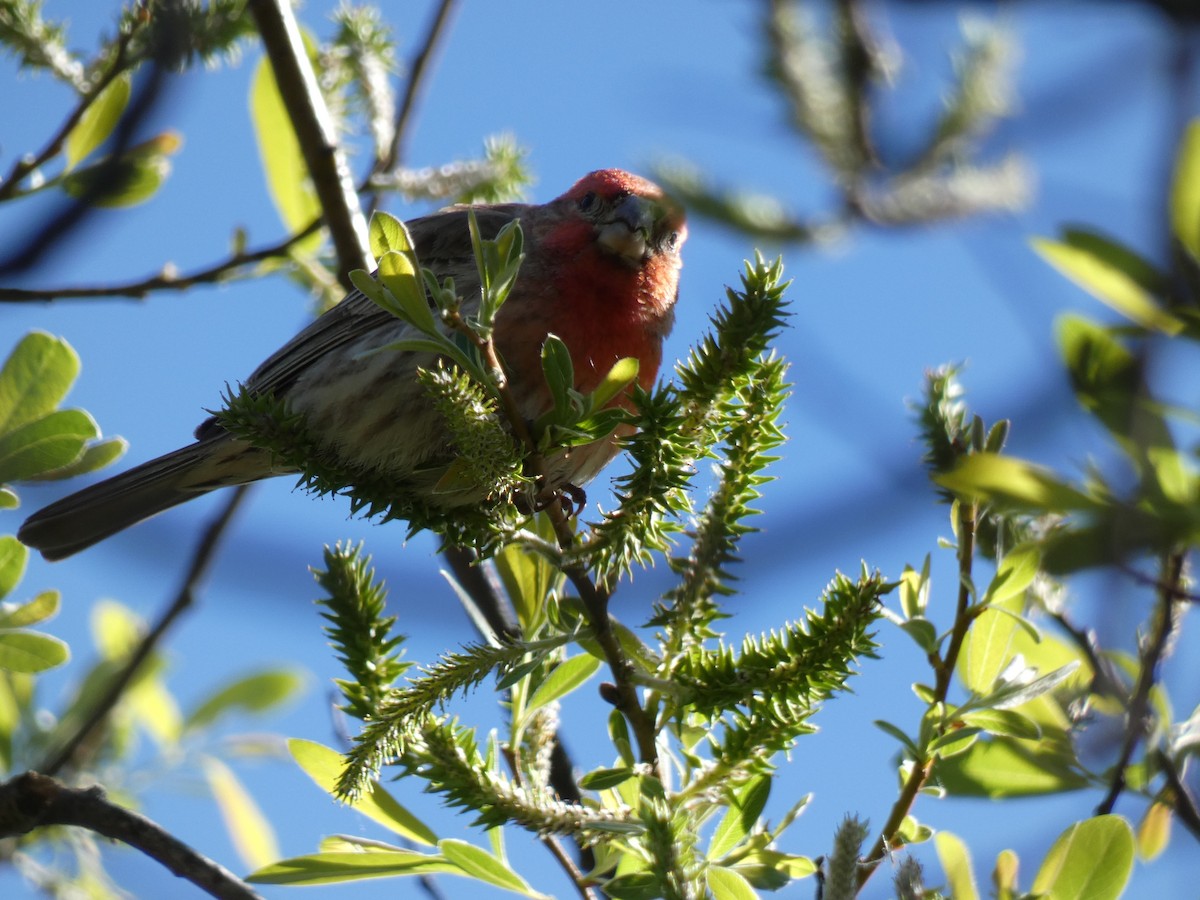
pixel 601 272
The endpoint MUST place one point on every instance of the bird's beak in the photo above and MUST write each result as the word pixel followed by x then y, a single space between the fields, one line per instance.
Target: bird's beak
pixel 627 230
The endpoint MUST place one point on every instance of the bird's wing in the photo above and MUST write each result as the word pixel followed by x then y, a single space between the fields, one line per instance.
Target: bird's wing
pixel 443 244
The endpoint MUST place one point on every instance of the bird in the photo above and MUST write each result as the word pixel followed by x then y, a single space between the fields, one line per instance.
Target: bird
pixel 601 272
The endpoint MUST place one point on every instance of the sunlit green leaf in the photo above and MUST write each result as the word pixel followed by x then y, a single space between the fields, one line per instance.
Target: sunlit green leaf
pixel 619 377
pixel 480 864
pixel 988 650
pixel 95 456
pixel 254 693
pixel 131 179
pixel 8 500
pixel 603 779
pixel 1007 768
pixel 1015 573
pixel 324 766
pixel 1185 192
pixel 287 174
pixel 1092 859
pixel 331 868
pixel 14 556
pixel 252 835
pixel 1114 275
pixel 39 609
pixel 566 677
pixel 1154 831
pixel 1007 722
pixel 956 863
pixel 35 378
pixel 399 275
pixel 31 651
pixel 386 233
pixel 745 807
pixel 51 442
pixel 727 884
pixel 990 476
pixel 97 121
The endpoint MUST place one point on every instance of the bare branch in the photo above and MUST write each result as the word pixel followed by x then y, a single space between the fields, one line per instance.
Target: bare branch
pixel 183 600
pixel 32 801
pixel 315 133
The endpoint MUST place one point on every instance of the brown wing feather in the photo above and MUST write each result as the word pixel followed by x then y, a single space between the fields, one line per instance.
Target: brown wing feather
pixel 443 244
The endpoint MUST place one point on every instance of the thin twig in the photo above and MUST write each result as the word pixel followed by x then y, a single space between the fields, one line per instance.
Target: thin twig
pixel 1184 804
pixel 185 597
pixel 315 132
pixel 1137 719
pixel 32 801
pixel 225 270
pixel 1104 679
pixel 918 775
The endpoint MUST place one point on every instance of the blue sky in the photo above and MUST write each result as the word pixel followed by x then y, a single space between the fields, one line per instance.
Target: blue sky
pixel 625 87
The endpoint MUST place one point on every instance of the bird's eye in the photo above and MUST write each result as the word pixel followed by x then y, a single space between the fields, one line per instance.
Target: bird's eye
pixel 672 239
pixel 587 201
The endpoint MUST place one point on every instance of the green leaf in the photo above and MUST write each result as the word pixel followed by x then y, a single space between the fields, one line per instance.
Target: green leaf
pixel 254 693
pixel 42 607
pixel 478 863
pixel 1092 859
pixel 13 558
pixel 1014 695
pixel 922 631
pixel 727 884
pixel 1185 192
pixel 953 742
pixel 370 288
pixel 1007 768
pixel 95 456
pixel 127 181
pixel 1154 831
pixel 398 272
pixel 8 500
pixel 1015 573
pixel 603 779
pixel 335 867
pixel 31 651
pixel 744 809
pixel 35 378
pixel 566 677
pixel 634 886
pixel 988 650
pixel 287 174
pixel 528 577
pixel 559 372
pixel 1006 722
pixel 324 766
pixel 97 121
pixel 898 734
pixel 956 863
pixel 51 442
pixel 619 377
pixel 1113 274
pixel 988 476
pixel 386 233
pixel 248 828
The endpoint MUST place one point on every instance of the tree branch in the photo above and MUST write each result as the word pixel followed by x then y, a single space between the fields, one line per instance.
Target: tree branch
pixel 1137 719
pixel 166 280
pixel 315 133
pixel 31 801
pixel 201 559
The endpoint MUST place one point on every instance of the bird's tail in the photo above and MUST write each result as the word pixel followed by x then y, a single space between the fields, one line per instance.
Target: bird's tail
pixel 76 522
